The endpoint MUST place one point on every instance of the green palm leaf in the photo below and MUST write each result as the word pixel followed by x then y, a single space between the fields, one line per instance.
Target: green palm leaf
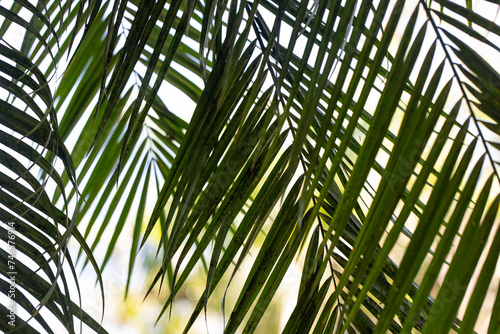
pixel 332 131
pixel 36 266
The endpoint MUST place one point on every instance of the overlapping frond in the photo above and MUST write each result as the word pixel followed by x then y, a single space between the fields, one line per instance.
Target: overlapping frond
pixel 370 128
pixel 37 272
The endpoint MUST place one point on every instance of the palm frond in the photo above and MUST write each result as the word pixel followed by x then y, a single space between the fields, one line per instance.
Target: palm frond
pixel 364 125
pixel 36 267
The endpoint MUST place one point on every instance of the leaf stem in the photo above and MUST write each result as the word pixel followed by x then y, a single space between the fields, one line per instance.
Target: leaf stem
pixel 461 86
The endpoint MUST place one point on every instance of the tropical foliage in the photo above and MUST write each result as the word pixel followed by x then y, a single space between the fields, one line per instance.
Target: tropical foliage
pixel 360 137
